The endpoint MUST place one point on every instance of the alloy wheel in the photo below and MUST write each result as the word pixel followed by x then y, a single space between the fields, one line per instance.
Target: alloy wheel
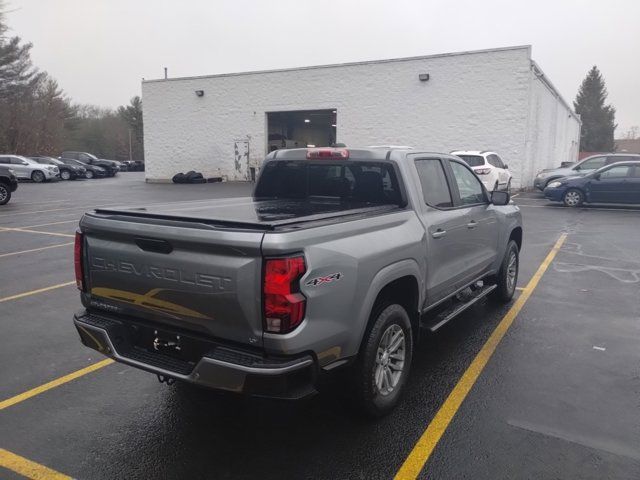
pixel 572 198
pixel 3 193
pixel 390 359
pixel 512 271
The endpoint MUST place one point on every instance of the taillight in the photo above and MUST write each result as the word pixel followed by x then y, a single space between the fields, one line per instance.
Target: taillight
pixel 482 171
pixel 282 301
pixel 328 153
pixel 77 260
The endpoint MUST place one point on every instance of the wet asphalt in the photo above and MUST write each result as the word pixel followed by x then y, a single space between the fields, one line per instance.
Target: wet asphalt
pixel 559 398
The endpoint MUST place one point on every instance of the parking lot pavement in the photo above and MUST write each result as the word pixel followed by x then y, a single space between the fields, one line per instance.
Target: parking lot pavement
pixel 557 399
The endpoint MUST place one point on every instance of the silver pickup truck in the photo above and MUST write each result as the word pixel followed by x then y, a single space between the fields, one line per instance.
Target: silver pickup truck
pixel 338 261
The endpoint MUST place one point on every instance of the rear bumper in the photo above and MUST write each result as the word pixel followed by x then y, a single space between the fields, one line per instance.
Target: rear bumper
pixel 221 367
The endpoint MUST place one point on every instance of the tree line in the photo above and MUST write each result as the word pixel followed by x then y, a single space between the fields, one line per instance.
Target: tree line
pixel 38 118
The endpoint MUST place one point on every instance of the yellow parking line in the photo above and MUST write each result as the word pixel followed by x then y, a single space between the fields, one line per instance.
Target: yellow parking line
pixel 28 468
pixel 33 292
pixel 38 231
pixel 35 249
pixel 54 383
pixel 427 442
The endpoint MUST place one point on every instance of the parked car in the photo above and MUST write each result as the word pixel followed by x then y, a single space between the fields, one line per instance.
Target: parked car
pixel 583 167
pixel 617 183
pixel 111 166
pixel 489 167
pixel 91 171
pixel 26 169
pixel 67 172
pixel 8 184
pixel 338 260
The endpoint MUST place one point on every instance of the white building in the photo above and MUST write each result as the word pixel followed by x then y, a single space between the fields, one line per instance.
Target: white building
pixel 223 125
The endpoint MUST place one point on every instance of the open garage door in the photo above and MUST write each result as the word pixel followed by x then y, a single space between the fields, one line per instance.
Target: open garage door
pixel 301 128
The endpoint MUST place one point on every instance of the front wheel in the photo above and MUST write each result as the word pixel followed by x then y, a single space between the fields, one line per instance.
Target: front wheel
pixel 383 365
pixel 65 175
pixel 5 194
pixel 573 198
pixel 88 174
pixel 507 277
pixel 38 176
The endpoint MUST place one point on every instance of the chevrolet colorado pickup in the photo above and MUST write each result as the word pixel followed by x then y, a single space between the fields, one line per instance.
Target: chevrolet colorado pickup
pixel 339 260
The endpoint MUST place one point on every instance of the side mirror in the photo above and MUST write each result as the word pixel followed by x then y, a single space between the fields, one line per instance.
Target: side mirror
pixel 596 176
pixel 506 167
pixel 500 198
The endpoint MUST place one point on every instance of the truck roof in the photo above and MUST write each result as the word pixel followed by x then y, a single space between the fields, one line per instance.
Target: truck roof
pixel 367 153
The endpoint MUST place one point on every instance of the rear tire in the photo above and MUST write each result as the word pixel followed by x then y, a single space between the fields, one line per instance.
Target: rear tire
pixel 507 277
pixel 37 176
pixel 5 194
pixel 509 187
pixel 573 197
pixel 88 174
pixel 383 364
pixel 65 175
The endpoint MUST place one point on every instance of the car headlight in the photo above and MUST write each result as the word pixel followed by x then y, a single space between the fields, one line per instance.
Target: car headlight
pixel 554 184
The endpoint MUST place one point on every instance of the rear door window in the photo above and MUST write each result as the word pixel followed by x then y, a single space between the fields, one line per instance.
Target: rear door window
pixel 619 171
pixel 5 160
pixel 435 189
pixel 472 160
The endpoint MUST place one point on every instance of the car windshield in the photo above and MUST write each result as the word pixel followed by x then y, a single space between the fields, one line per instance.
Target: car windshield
pixel 472 160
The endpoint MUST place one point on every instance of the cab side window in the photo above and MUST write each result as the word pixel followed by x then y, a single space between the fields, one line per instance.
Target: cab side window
pixel 4 160
pixel 469 187
pixel 435 188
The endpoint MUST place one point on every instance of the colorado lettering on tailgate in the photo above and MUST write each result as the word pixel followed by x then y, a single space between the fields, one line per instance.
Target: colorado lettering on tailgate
pixel 162 273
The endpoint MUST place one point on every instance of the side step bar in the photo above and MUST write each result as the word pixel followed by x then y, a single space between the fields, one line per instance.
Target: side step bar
pixel 444 317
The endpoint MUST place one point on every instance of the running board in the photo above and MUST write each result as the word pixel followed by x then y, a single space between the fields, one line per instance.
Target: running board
pixel 443 318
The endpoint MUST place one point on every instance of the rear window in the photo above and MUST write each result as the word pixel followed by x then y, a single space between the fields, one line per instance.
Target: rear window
pixel 356 183
pixel 472 160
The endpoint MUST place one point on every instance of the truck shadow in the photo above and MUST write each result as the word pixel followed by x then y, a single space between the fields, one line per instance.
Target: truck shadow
pixel 203 434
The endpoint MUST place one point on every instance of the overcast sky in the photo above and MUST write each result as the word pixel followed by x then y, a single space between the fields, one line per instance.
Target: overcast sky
pixel 99 50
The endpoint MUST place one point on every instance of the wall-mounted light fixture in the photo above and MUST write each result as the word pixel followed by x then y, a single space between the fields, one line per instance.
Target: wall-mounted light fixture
pixel 423 77
pixel 200 93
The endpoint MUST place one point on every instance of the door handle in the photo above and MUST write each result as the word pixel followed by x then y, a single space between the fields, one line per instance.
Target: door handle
pixel 439 233
pixel 472 224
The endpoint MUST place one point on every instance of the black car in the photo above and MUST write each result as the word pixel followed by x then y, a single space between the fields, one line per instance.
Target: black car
pixel 8 184
pixel 111 166
pixel 91 171
pixel 67 172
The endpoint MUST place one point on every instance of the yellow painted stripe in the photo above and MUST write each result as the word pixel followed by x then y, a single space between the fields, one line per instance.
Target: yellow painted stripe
pixel 38 231
pixel 28 468
pixel 36 249
pixel 33 292
pixel 54 383
pixel 422 450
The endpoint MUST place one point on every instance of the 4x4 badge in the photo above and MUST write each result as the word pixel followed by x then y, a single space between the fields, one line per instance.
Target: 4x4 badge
pixel 314 282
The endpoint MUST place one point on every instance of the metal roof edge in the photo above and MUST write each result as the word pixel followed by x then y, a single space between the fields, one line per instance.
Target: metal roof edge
pixel 346 64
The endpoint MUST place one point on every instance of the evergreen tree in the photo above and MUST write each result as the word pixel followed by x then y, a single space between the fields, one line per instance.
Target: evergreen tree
pixel 598 119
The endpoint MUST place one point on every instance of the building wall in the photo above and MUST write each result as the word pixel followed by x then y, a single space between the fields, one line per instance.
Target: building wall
pixel 553 134
pixel 474 100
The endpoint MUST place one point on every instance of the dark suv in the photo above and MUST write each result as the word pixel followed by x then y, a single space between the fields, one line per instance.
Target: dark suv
pixel 8 184
pixel 111 166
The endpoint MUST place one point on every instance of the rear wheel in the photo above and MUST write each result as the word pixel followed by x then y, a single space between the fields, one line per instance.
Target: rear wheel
pixel 507 277
pixel 37 176
pixel 383 365
pixel 88 174
pixel 509 187
pixel 5 194
pixel 573 198
pixel 65 175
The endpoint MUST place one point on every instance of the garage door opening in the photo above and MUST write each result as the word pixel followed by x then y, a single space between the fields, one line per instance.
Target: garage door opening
pixel 300 129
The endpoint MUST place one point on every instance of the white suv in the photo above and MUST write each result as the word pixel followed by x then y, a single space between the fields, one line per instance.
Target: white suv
pixel 25 168
pixel 489 167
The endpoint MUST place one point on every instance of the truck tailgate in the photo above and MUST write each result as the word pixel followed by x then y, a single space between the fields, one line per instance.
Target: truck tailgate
pixel 196 277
